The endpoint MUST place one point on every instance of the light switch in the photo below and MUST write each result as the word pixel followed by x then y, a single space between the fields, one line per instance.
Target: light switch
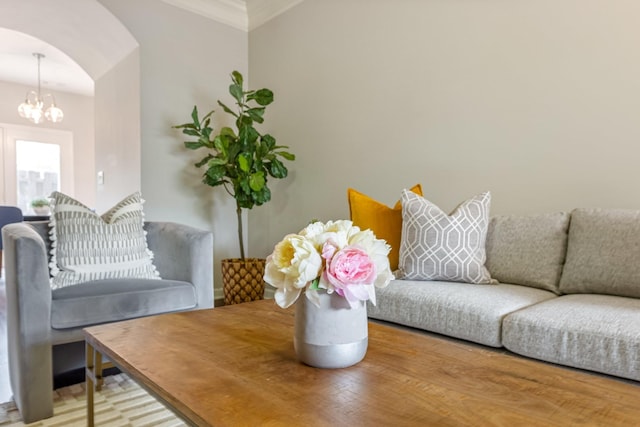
pixel 100 177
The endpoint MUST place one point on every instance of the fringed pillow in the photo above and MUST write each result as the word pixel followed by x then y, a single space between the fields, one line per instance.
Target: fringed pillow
pixel 86 246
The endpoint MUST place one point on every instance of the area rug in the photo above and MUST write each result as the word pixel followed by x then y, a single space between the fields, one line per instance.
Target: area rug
pixel 121 402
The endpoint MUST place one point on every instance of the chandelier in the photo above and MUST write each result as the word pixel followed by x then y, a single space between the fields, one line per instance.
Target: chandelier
pixel 33 108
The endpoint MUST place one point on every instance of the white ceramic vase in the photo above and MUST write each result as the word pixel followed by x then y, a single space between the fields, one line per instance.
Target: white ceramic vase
pixel 44 210
pixel 333 335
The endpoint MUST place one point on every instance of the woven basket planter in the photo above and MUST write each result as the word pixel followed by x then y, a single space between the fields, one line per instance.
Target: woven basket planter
pixel 242 280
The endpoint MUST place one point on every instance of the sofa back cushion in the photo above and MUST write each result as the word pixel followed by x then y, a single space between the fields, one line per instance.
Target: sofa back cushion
pixel 602 253
pixel 528 250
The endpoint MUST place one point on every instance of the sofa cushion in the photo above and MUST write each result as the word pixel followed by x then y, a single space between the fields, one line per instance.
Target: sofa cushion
pixel 385 222
pixel 528 250
pixel 461 310
pixel 437 246
pixel 91 247
pixel 111 300
pixel 602 253
pixel 595 332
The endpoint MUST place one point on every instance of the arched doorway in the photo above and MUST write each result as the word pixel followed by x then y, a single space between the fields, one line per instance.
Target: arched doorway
pixel 99 43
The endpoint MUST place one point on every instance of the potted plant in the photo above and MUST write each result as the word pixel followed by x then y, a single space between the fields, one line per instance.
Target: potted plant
pixel 241 160
pixel 40 206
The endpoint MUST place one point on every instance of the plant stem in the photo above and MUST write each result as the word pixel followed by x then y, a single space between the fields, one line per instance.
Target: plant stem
pixel 239 215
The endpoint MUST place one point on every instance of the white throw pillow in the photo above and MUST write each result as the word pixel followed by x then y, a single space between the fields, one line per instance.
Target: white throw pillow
pixel 437 246
pixel 86 246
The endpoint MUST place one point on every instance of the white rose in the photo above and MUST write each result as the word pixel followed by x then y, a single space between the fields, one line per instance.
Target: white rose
pixel 335 232
pixel 293 263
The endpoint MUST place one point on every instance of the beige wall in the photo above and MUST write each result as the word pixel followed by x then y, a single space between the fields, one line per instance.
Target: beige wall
pixel 117 94
pixel 185 59
pixel 537 101
pixel 78 119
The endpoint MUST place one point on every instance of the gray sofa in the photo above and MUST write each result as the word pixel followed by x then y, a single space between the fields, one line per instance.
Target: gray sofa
pixel 45 327
pixel 568 292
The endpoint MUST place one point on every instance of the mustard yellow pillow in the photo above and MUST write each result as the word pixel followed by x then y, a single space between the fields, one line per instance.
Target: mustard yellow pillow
pixel 385 222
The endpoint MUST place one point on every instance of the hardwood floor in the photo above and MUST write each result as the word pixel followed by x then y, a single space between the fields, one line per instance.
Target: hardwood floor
pixel 5 388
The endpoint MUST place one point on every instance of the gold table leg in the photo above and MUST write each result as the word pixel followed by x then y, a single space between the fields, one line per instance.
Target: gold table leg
pixel 89 383
pixel 93 379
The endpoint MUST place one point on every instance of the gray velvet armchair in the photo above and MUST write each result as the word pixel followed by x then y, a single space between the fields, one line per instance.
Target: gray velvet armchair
pixel 45 327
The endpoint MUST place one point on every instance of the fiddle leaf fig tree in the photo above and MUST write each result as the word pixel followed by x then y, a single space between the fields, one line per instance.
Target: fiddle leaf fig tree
pixel 240 159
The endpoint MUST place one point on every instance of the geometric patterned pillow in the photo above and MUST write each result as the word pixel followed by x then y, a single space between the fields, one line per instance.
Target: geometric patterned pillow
pixel 86 246
pixel 437 246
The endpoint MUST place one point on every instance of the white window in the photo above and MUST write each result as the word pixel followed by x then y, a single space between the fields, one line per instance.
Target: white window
pixel 35 162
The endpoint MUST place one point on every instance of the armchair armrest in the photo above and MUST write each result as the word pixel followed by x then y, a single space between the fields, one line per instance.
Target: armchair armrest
pixel 28 314
pixel 183 253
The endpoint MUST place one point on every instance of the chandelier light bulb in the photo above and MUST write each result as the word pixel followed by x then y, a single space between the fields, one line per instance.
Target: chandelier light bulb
pixel 54 114
pixel 24 109
pixel 36 116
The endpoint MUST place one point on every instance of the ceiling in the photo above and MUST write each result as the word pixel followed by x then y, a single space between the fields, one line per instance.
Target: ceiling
pixel 59 73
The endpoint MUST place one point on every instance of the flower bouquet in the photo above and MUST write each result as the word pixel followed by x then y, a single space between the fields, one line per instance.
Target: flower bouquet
pixel 335 257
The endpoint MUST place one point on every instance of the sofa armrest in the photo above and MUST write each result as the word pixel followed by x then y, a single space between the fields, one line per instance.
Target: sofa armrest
pixel 183 253
pixel 28 316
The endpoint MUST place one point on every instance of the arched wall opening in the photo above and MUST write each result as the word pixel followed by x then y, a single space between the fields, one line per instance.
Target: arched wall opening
pixel 99 43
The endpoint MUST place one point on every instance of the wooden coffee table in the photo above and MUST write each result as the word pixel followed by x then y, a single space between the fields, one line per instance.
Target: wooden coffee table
pixel 236 365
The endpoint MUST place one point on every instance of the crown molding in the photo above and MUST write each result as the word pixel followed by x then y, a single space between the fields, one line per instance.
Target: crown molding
pixel 229 12
pixel 262 11
pixel 244 15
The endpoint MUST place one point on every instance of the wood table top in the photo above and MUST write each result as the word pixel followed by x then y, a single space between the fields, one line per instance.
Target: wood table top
pixel 236 366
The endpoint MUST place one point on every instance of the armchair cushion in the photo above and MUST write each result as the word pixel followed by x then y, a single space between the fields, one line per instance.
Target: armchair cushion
pixel 112 300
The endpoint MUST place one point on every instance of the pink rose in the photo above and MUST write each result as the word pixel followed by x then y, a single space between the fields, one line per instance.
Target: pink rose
pixel 351 272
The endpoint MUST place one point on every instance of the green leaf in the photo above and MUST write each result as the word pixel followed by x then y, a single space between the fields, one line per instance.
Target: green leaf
pixel 206 134
pixel 185 125
pixel 203 161
pixel 215 173
pixel 236 92
pixel 194 116
pixel 248 135
pixel 211 181
pixel 262 150
pixel 263 196
pixel 286 155
pixel 219 145
pixel 216 161
pixel 193 145
pixel 262 97
pixel 237 78
pixel 257 181
pixel 204 140
pixel 270 141
pixel 244 162
pixel 227 109
pixel 315 284
pixel 228 132
pixel 277 169
pixel 244 121
pixel 208 115
pixel 192 132
pixel 256 114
